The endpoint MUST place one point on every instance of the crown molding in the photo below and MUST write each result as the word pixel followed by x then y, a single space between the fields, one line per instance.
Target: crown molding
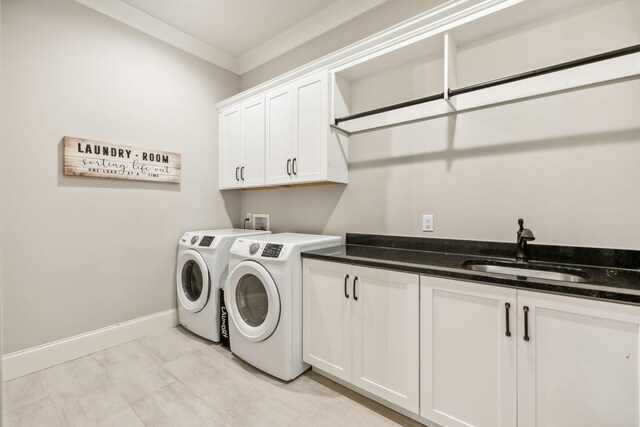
pixel 319 23
pixel 435 21
pixel 315 25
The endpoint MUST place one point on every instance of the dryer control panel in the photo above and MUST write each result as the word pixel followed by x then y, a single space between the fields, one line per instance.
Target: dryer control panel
pixel 261 250
pixel 271 250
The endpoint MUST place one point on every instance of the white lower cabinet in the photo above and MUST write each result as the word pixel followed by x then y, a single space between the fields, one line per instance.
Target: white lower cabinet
pixel 464 354
pixel 579 366
pixel 468 353
pixel 362 325
pixel 567 362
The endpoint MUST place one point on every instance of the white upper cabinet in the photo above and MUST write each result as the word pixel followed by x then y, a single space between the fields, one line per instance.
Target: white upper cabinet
pixel 279 131
pixel 282 138
pixel 301 147
pixel 253 140
pixel 242 144
pixel 311 130
pixel 230 130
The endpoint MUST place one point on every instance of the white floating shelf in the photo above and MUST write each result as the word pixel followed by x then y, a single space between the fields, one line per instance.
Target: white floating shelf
pixel 597 73
pixel 471 62
pixel 396 117
pixel 606 68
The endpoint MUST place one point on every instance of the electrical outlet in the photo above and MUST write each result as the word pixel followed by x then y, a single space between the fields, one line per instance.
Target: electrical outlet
pixel 427 222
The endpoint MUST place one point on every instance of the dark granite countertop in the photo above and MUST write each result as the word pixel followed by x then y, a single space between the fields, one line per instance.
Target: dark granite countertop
pixel 610 274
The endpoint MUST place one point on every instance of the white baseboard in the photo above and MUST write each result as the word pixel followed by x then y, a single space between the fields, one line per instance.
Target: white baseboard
pixel 34 359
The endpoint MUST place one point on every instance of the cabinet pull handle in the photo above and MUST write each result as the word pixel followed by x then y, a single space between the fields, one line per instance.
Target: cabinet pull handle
pixel 289 167
pixel 294 168
pixel 237 169
pixel 346 279
pixel 355 280
pixel 242 173
pixel 526 323
pixel 507 306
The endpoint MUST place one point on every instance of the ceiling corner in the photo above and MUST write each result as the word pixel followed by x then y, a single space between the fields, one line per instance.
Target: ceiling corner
pixel 141 21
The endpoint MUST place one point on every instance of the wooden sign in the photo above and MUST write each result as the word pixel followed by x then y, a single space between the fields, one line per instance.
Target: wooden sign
pixel 83 157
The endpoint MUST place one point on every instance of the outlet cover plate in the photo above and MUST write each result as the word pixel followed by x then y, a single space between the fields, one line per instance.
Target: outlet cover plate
pixel 427 222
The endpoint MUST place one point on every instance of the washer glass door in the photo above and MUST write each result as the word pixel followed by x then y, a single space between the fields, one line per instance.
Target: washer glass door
pixel 193 281
pixel 253 301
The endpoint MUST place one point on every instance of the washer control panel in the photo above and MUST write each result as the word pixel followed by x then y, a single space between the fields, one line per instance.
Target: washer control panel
pixel 197 240
pixel 271 250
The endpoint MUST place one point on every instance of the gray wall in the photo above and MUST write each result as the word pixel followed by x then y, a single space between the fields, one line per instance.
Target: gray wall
pixel 84 253
pixel 568 164
pixel 2 184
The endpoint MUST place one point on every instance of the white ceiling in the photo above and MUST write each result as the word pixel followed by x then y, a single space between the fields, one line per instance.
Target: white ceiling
pixel 235 26
pixel 238 35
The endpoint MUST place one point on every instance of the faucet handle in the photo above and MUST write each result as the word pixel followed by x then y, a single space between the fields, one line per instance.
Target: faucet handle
pixel 527 235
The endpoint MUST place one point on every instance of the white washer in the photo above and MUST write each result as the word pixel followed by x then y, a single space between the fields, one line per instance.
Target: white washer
pixel 263 295
pixel 202 268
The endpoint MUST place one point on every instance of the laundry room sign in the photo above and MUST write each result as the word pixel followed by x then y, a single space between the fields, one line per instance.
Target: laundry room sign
pixel 83 157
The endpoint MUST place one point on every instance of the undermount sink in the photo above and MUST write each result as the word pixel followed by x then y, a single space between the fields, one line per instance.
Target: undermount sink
pixel 526 270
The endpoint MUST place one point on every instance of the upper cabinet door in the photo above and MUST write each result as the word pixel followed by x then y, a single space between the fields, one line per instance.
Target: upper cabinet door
pixel 386 308
pixel 468 353
pixel 578 365
pixel 253 128
pixel 230 140
pixel 279 136
pixel 311 130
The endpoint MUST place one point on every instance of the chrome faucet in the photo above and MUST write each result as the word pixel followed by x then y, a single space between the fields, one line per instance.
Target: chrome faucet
pixel 524 235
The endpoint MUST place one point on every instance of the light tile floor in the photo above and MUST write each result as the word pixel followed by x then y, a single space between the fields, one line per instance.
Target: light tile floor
pixel 177 379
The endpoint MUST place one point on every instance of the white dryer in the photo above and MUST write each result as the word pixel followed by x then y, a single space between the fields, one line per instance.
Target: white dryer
pixel 263 296
pixel 202 268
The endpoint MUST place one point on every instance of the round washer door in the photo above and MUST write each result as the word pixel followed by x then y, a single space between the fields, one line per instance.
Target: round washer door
pixel 193 281
pixel 252 300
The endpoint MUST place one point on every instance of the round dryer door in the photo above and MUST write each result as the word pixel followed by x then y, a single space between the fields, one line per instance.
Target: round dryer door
pixel 252 300
pixel 193 281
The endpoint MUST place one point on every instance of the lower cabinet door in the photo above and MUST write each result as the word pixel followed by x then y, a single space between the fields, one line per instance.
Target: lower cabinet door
pixel 468 353
pixel 577 362
pixel 326 312
pixel 386 335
